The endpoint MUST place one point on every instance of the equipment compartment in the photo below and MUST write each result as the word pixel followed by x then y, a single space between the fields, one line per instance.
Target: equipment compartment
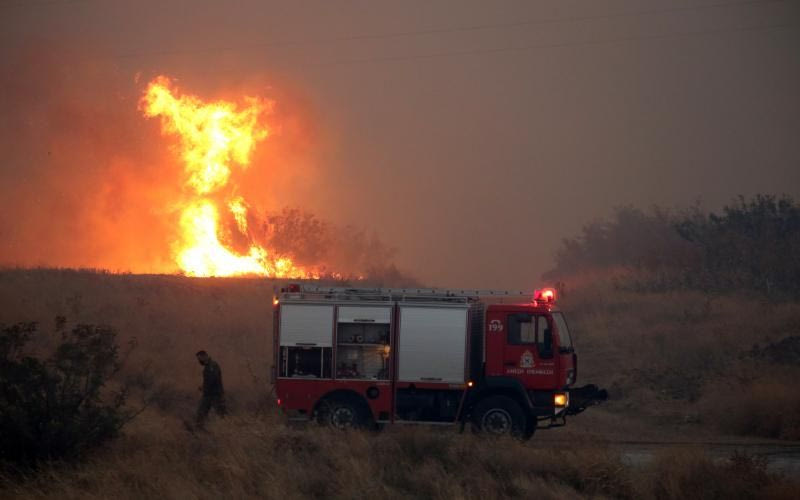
pixel 363 337
pixel 306 362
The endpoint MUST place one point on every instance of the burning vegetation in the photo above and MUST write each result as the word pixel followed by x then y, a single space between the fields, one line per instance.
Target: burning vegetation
pixel 213 138
pixel 142 177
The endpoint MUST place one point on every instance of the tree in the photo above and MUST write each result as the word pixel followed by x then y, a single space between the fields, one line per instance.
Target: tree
pixel 752 244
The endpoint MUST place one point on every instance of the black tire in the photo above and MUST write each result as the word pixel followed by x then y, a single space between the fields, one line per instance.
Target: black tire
pixel 501 416
pixel 341 413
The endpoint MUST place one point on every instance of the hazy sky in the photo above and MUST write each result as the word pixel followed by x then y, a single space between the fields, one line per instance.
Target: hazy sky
pixel 470 135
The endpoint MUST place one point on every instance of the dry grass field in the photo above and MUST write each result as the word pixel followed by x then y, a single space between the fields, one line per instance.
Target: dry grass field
pixel 683 367
pixel 169 318
pixel 260 457
pixel 689 360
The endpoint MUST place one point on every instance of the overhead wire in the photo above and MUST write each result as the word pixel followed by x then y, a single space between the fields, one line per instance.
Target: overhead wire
pixel 481 27
pixel 446 30
pixel 30 4
pixel 557 45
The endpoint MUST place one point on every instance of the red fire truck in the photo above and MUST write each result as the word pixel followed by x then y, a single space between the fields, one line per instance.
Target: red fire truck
pixel 359 357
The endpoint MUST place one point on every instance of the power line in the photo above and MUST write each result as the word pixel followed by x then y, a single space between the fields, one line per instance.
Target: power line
pixel 437 31
pixel 30 4
pixel 522 48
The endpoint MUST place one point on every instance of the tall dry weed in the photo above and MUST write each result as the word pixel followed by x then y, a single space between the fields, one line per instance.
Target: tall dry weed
pixel 690 473
pixel 246 457
pixel 249 457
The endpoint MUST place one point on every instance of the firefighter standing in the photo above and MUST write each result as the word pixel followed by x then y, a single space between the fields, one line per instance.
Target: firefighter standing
pixel 213 393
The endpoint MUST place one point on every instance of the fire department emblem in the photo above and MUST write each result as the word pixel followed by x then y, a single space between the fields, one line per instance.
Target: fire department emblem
pixel 495 325
pixel 526 361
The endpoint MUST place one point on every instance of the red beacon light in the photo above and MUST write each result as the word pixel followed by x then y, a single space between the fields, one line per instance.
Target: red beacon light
pixel 547 295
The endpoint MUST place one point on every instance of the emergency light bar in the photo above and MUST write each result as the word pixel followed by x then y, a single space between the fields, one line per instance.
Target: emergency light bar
pixel 544 295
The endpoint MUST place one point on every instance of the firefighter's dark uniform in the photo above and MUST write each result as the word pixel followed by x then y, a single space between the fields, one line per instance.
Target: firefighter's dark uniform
pixel 213 393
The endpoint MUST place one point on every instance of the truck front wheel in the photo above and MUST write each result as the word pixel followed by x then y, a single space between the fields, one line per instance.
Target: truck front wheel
pixel 500 416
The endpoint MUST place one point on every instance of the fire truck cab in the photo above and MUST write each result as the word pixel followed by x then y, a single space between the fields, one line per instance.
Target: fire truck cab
pixel 357 357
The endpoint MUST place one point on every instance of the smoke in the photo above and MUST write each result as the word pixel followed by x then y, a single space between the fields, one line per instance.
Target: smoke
pixel 80 183
pixel 87 181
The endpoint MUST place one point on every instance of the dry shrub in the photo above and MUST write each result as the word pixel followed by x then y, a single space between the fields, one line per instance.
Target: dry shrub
pixel 689 473
pixel 767 407
pixel 59 405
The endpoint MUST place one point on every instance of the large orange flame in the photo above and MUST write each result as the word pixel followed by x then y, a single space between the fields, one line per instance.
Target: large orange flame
pixel 213 137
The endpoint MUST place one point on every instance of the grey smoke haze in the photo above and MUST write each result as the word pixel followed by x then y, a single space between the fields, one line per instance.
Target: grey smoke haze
pixel 471 151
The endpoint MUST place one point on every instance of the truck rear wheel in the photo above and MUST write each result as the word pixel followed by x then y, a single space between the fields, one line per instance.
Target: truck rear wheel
pixel 500 416
pixel 341 414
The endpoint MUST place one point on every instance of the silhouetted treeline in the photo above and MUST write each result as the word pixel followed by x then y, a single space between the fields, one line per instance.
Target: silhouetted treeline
pixel 751 244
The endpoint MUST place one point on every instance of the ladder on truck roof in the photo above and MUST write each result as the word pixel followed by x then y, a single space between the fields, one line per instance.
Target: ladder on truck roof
pixel 459 295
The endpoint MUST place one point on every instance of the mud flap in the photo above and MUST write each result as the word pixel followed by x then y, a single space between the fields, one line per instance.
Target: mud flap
pixel 581 398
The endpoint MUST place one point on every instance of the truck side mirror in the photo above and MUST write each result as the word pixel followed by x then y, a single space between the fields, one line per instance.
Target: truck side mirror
pixel 546 347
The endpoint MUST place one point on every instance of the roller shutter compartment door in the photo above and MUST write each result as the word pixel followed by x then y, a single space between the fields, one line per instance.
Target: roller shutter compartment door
pixel 306 325
pixel 432 344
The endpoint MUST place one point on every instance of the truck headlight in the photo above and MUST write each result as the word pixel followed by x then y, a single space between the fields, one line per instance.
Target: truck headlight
pixel 560 400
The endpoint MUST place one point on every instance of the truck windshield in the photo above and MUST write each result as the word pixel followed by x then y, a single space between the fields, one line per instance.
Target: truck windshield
pixel 564 339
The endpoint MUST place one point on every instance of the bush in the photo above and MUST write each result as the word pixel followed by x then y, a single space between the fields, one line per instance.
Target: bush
pixel 767 408
pixel 690 473
pixel 54 408
pixel 751 245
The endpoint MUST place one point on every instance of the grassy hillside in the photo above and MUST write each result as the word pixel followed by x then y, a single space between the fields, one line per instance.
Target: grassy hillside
pixel 727 363
pixel 169 318
pixel 677 364
pixel 679 359
pixel 692 317
pixel 682 358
